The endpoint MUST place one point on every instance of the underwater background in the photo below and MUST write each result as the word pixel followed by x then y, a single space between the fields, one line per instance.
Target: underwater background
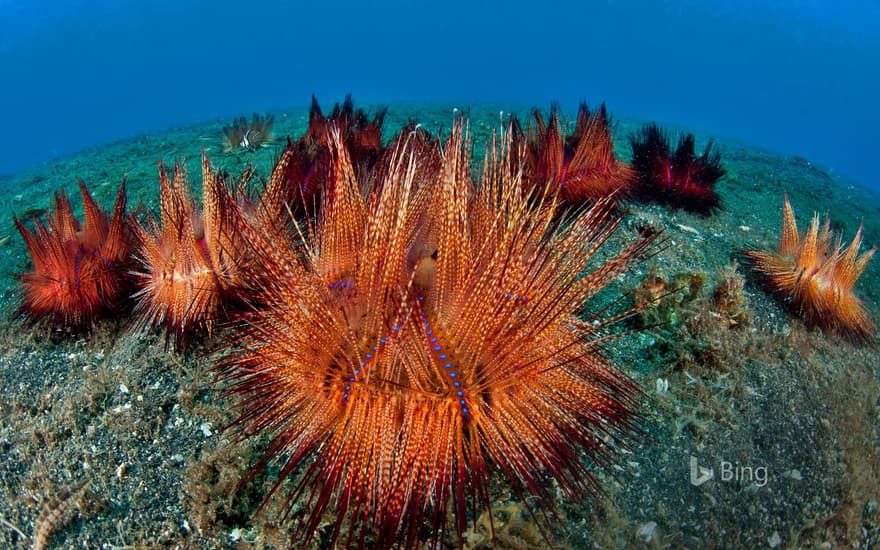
pixel 798 77
pixel 112 438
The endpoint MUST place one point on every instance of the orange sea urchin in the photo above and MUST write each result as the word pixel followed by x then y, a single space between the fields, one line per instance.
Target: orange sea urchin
pixel 190 261
pixel 816 275
pixel 423 337
pixel 78 269
pixel 580 167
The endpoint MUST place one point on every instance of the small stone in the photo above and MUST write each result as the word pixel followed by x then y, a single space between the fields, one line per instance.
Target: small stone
pixel 687 229
pixel 662 385
pixel 123 388
pixel 646 531
pixel 206 429
pixel 774 540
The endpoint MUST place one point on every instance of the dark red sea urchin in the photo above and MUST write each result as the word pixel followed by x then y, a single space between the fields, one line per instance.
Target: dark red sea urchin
pixel 425 337
pixel 306 172
pixel 680 179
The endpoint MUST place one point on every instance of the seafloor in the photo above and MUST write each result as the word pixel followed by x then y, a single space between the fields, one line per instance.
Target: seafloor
pixel 751 391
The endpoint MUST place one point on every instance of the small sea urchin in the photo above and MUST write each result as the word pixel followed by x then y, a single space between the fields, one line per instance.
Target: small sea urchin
pixel 78 268
pixel 680 179
pixel 580 167
pixel 816 275
pixel 244 135
pixel 425 336
pixel 307 170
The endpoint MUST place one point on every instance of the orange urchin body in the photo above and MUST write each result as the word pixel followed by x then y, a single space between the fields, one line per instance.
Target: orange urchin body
pixel 423 337
pixel 190 261
pixel 78 268
pixel 816 274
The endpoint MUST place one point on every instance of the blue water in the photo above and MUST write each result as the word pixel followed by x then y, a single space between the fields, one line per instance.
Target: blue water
pixel 800 77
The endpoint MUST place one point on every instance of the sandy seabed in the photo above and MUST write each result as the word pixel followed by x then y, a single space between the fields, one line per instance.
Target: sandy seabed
pixel 787 417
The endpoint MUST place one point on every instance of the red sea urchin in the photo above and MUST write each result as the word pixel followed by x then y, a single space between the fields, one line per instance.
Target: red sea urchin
pixel 680 179
pixel 78 268
pixel 580 167
pixel 816 275
pixel 307 170
pixel 424 338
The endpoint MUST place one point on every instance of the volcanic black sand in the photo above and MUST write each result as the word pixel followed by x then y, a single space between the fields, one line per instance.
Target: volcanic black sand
pixel 122 439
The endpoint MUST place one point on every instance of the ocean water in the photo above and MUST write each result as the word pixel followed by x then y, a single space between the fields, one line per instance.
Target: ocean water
pixel 757 424
pixel 798 77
